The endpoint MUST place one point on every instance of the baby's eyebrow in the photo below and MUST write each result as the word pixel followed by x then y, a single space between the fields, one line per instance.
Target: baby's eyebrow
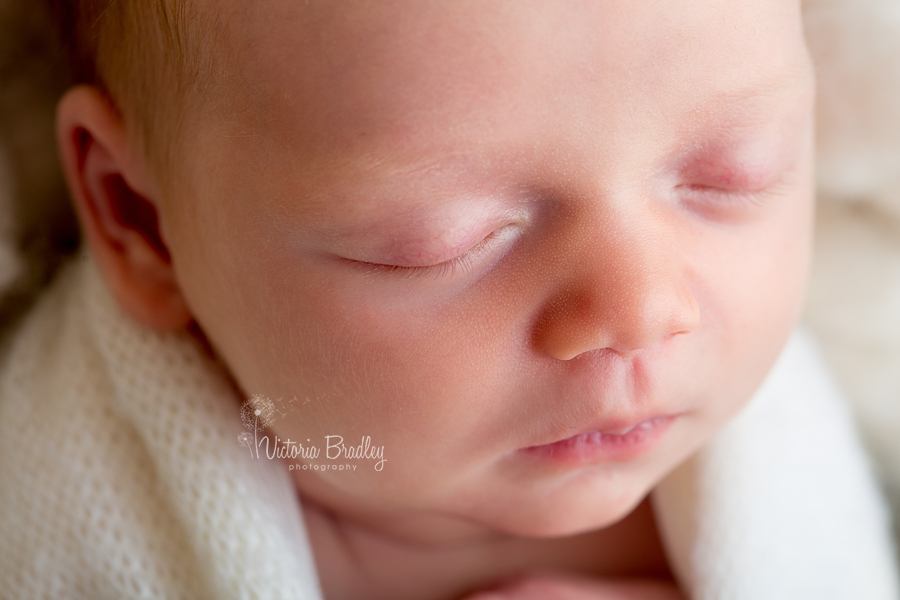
pixel 753 105
pixel 796 78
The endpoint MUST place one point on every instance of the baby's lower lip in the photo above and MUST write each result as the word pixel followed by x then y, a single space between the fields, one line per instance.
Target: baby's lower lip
pixel 596 447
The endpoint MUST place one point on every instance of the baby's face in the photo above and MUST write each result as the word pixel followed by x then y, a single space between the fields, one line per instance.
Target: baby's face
pixel 466 229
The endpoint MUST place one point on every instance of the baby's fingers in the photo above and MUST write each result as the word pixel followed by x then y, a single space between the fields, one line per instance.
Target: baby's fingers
pixel 552 587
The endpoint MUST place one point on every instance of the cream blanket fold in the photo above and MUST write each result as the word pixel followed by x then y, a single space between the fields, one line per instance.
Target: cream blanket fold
pixel 782 503
pixel 121 477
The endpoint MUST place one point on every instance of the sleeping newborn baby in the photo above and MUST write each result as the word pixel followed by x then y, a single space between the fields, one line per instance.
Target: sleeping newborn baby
pixel 539 252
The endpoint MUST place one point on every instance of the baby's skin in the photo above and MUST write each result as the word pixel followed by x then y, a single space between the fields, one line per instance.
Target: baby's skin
pixel 492 236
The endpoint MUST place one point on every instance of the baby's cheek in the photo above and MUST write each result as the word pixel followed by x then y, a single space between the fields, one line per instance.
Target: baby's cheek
pixel 405 377
pixel 749 285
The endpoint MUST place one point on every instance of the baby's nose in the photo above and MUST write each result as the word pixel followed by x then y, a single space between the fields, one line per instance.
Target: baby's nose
pixel 623 286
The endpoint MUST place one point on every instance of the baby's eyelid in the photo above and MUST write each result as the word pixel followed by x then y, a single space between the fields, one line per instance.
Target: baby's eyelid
pixel 748 184
pixel 721 202
pixel 461 263
pixel 774 181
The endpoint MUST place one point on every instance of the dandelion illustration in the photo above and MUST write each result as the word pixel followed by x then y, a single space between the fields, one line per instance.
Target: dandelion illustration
pixel 282 413
pixel 257 413
pixel 245 438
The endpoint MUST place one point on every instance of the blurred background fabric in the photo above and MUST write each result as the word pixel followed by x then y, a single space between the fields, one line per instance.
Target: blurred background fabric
pixel 854 299
pixel 38 228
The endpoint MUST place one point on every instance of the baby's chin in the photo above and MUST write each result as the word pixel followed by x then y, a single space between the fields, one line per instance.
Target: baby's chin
pixel 533 497
pixel 586 502
pixel 566 521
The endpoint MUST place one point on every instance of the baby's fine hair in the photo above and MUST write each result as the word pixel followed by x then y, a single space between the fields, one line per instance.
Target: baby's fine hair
pixel 153 59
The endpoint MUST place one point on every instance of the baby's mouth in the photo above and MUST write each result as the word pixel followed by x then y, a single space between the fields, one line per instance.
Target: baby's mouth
pixel 609 444
pixel 624 430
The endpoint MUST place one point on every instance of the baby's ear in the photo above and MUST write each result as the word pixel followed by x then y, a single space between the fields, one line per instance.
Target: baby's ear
pixel 117 200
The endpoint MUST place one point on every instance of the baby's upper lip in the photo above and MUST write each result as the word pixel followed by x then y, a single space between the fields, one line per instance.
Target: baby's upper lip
pixel 605 392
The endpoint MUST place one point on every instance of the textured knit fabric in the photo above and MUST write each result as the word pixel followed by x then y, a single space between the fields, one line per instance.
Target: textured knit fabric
pixel 120 471
pixel 121 477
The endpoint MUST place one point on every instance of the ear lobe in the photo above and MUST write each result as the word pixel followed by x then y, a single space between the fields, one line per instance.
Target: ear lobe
pixel 117 204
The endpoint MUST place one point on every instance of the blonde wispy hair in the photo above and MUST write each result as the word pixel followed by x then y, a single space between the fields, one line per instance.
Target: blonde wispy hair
pixel 157 61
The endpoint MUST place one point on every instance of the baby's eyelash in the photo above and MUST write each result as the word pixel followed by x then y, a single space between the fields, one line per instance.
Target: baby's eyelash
pixel 742 196
pixel 461 264
pixel 726 200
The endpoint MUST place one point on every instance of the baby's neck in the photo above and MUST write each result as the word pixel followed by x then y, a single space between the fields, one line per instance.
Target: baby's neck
pixel 356 561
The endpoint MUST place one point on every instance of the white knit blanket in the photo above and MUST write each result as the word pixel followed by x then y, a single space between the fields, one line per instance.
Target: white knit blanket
pixel 121 477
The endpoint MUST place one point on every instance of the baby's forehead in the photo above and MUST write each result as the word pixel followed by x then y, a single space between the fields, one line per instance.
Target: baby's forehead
pixel 366 105
pixel 369 68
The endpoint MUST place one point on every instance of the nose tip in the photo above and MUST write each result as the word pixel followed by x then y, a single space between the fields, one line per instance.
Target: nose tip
pixel 621 305
pixel 650 317
pixel 580 323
